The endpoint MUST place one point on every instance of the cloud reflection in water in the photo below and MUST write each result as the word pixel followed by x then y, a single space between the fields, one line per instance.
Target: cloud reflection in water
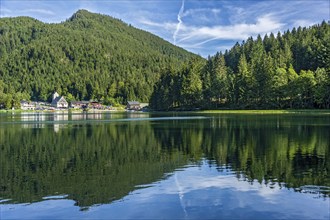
pixel 193 192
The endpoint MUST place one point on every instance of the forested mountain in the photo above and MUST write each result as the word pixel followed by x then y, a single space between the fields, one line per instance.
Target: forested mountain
pixel 89 56
pixel 93 56
pixel 289 70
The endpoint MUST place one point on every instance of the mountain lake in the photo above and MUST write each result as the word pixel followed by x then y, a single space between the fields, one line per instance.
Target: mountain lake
pixel 185 165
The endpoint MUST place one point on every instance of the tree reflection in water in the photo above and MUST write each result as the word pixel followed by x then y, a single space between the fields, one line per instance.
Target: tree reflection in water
pixel 102 159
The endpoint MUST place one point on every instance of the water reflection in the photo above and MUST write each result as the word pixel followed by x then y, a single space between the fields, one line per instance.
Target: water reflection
pixel 42 117
pixel 35 118
pixel 104 163
pixel 59 120
pixel 191 192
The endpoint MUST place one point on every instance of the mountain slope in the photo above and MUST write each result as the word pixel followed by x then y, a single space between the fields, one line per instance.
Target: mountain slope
pixel 89 56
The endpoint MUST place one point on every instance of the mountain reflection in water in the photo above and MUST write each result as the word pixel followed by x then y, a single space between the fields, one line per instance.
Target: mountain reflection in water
pixel 250 166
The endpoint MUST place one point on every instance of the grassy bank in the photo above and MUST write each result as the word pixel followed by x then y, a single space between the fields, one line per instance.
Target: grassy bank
pixel 289 111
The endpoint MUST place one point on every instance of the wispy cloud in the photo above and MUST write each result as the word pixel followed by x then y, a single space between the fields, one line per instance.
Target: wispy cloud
pixel 303 23
pixel 194 36
pixel 197 28
pixel 5 11
pixel 39 11
pixel 209 25
pixel 25 12
pixel 180 14
pixel 201 10
pixel 166 25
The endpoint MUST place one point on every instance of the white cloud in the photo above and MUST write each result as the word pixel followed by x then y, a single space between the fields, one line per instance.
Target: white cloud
pixel 196 37
pixel 303 23
pixel 38 11
pixel 209 25
pixel 192 36
pixel 167 25
pixel 199 11
pixel 5 10
pixel 200 35
pixel 25 12
pixel 192 179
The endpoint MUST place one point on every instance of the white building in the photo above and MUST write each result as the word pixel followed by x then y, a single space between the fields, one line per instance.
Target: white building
pixel 59 101
pixel 25 105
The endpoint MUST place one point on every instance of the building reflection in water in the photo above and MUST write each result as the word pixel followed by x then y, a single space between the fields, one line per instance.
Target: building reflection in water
pixel 40 119
pixel 57 119
pixel 60 119
pixel 32 120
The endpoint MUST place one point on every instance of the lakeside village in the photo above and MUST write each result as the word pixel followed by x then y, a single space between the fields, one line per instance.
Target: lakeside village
pixel 60 103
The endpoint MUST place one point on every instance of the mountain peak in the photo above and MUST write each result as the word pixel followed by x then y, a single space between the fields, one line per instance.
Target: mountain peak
pixel 81 13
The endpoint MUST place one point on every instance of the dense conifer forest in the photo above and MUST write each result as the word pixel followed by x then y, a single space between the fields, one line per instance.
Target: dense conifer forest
pixel 89 56
pixel 283 70
pixel 96 57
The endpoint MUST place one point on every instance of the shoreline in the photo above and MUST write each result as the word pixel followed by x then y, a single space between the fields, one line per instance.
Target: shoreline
pixel 269 111
pixel 218 111
pixel 61 111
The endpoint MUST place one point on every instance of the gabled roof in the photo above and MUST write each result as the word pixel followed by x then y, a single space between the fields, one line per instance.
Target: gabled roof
pixel 57 99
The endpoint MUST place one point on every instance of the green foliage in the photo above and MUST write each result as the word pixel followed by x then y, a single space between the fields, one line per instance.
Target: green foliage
pixel 191 90
pixel 179 89
pixel 10 99
pixel 322 88
pixel 89 56
pixel 290 70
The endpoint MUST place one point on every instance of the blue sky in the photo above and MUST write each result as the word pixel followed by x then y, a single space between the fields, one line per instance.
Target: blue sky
pixel 200 26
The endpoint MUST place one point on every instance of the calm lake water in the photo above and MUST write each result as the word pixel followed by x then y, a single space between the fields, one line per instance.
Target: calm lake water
pixel 164 166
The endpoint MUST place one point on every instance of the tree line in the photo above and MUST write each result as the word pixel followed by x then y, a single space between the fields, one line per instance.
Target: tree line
pixel 289 70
